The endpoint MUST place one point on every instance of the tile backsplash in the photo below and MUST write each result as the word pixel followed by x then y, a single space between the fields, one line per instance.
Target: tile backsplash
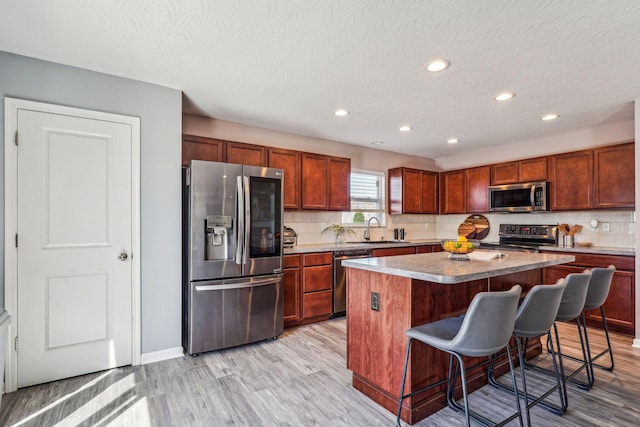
pixel 309 226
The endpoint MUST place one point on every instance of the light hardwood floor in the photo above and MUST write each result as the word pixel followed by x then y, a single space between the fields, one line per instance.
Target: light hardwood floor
pixel 299 379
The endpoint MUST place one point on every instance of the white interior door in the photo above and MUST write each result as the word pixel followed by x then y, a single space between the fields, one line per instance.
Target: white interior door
pixel 74 222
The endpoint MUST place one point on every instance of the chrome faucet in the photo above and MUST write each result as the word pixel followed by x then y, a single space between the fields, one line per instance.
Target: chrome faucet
pixel 367 232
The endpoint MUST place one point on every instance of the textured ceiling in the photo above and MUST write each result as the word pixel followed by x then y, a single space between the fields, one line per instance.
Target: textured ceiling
pixel 287 65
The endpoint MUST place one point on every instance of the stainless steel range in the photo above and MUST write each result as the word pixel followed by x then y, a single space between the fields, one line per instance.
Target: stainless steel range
pixel 524 238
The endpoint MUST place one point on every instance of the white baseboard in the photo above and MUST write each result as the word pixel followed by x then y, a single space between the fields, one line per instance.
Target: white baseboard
pixel 157 356
pixel 636 343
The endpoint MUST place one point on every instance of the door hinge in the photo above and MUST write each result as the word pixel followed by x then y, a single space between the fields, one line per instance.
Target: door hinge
pixel 16 138
pixel 16 344
pixel 16 240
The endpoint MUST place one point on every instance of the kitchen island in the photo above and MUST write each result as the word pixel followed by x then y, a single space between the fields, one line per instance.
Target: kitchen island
pixel 388 295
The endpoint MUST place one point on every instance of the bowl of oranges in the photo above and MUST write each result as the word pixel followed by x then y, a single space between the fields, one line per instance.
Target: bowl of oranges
pixel 459 249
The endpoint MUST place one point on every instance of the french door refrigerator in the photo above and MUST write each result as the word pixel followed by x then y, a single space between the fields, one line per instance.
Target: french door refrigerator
pixel 232 255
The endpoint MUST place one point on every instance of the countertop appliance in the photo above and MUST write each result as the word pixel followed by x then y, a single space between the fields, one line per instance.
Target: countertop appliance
pixel 340 278
pixel 290 237
pixel 526 197
pixel 524 238
pixel 232 255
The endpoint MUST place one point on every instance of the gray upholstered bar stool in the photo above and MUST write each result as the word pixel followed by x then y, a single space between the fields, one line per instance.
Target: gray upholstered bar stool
pixel 484 330
pixel 534 318
pixel 597 293
pixel 571 306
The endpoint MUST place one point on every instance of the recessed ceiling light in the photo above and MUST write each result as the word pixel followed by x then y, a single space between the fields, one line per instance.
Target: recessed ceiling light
pixel 341 112
pixel 551 116
pixel 453 140
pixel 405 128
pixel 504 96
pixel 377 143
pixel 437 65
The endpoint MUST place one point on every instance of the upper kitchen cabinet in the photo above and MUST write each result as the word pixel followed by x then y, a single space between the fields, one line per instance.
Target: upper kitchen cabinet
pixel 614 176
pixel 246 154
pixel 339 183
pixel 453 192
pixel 572 180
pixel 412 191
pixel 289 161
pixel 528 170
pixel 201 148
pixel 325 182
pixel 478 189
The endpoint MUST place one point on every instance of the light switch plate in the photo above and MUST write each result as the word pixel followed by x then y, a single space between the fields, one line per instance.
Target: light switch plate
pixel 606 227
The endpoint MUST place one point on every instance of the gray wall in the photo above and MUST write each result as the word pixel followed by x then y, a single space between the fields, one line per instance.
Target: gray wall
pixel 160 112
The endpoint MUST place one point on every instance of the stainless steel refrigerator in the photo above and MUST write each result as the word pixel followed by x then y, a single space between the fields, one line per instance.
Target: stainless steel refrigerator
pixel 232 255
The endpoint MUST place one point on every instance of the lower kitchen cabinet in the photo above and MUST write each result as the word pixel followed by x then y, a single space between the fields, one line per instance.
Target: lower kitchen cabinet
pixel 425 249
pixel 317 285
pixel 292 289
pixel 407 250
pixel 620 305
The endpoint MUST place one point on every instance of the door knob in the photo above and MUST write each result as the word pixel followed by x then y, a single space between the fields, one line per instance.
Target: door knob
pixel 123 256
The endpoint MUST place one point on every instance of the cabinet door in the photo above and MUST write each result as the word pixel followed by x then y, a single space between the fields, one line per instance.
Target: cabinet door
pixel 289 161
pixel 339 177
pixel 314 181
pixel 429 192
pixel 409 250
pixel 478 189
pixel 619 308
pixel 394 190
pixel 453 192
pixel 411 190
pixel 571 186
pixel 292 294
pixel 425 249
pixel 614 176
pixel 200 148
pixel 504 173
pixel 246 154
pixel 531 170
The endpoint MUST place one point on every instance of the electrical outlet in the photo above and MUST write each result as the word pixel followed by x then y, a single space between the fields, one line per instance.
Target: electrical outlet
pixel 426 225
pixel 375 301
pixel 606 227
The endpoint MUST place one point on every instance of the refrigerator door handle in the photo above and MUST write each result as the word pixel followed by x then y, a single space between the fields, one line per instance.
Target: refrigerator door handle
pixel 247 220
pixel 246 284
pixel 239 221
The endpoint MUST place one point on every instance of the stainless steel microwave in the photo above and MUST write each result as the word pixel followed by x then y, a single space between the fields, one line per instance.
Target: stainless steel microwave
pixel 526 197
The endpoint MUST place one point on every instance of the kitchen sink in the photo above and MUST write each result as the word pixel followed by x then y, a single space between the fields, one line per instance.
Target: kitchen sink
pixel 378 242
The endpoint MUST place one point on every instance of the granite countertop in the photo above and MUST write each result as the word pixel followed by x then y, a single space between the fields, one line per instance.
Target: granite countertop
pixel 332 247
pixel 437 267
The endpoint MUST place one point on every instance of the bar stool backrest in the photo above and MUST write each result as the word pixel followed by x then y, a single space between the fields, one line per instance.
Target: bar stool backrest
pixel 488 323
pixel 539 309
pixel 574 296
pixel 599 286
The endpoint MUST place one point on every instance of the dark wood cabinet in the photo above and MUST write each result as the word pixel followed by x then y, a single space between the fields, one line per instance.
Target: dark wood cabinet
pixel 425 249
pixel 531 170
pixel 453 192
pixel 201 148
pixel 412 191
pixel 317 285
pixel 504 173
pixel 614 176
pixel 528 170
pixel 406 250
pixel 292 289
pixel 289 161
pixel 314 181
pixel 619 307
pixel 572 181
pixel 478 189
pixel 246 154
pixel 339 179
pixel 325 182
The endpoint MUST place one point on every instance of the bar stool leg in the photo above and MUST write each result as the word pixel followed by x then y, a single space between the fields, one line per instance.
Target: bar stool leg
pixel 404 377
pixel 608 349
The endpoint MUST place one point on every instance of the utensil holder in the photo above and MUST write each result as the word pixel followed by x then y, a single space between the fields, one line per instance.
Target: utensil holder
pixel 568 241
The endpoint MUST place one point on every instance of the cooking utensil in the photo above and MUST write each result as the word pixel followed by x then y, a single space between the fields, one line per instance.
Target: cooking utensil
pixel 575 229
pixel 564 228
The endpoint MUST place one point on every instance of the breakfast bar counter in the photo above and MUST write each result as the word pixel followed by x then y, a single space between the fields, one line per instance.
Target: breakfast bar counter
pixel 388 295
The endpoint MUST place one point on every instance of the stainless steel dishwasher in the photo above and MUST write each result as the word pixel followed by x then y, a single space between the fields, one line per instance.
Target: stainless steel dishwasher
pixel 340 278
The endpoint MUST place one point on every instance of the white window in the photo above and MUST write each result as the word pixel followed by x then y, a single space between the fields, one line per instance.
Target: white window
pixel 367 198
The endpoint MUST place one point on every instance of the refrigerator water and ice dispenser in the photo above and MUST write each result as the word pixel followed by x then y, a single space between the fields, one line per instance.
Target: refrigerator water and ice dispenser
pixel 218 229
